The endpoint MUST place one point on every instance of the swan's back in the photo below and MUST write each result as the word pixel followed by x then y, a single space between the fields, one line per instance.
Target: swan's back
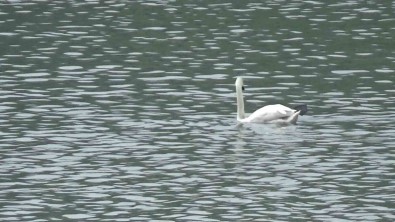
pixel 270 113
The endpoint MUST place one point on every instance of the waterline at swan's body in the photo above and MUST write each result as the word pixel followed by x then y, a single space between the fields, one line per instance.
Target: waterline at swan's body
pixel 270 113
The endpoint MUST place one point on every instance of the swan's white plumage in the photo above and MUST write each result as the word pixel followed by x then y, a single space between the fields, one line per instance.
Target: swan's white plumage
pixel 269 113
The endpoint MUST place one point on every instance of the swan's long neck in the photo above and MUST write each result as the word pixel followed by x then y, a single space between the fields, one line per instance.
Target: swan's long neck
pixel 240 102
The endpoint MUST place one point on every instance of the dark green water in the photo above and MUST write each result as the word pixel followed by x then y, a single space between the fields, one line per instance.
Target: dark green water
pixel 125 111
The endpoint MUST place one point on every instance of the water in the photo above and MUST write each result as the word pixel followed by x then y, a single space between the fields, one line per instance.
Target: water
pixel 125 111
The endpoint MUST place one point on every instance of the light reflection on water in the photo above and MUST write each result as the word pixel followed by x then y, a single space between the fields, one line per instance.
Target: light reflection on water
pixel 111 113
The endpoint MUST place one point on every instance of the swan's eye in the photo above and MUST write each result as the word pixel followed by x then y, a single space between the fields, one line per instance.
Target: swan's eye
pixel 242 88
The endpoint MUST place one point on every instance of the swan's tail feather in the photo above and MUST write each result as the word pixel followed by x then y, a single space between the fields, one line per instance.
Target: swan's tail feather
pixel 302 108
pixel 294 118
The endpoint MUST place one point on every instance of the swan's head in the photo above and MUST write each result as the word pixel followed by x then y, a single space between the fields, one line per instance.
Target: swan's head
pixel 239 83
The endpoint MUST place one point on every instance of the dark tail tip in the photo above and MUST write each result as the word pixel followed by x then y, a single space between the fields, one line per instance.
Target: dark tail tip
pixel 302 108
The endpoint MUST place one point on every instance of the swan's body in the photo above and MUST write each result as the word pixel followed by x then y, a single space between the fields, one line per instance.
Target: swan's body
pixel 270 113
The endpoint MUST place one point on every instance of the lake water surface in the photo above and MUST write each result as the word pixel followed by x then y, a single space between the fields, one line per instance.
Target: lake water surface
pixel 125 111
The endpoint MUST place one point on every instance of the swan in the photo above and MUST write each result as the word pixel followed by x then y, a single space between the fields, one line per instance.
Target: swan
pixel 271 113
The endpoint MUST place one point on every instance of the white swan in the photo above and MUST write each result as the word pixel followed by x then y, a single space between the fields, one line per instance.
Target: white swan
pixel 270 113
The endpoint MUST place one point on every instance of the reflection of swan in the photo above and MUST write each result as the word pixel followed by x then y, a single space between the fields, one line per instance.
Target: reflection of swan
pixel 271 113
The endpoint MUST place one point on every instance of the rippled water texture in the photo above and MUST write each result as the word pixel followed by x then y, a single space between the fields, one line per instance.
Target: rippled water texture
pixel 125 110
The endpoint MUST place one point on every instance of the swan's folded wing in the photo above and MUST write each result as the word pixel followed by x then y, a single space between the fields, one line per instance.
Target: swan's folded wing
pixel 270 113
